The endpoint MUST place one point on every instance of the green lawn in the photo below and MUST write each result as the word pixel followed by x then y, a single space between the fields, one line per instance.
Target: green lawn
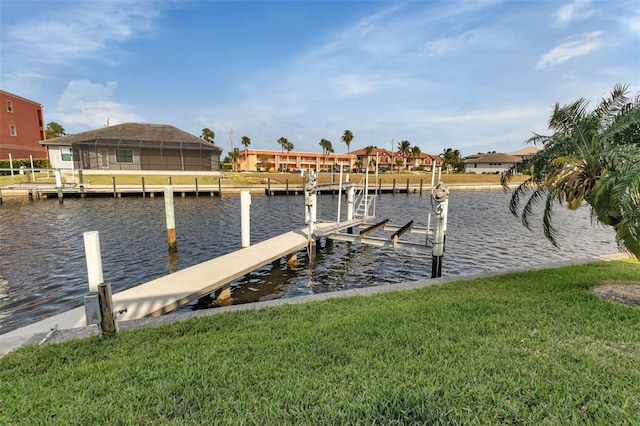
pixel 525 348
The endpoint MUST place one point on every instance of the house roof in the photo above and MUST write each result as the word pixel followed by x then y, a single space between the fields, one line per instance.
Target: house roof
pixel 373 153
pixel 530 150
pixel 493 158
pixel 140 133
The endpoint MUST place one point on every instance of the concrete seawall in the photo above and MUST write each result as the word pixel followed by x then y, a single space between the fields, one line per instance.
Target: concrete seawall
pixel 7 343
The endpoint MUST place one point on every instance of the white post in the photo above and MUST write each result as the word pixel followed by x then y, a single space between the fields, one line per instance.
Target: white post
pixel 58 177
pixel 33 174
pixel 350 195
pixel 245 216
pixel 11 167
pixel 170 216
pixel 94 259
pixel 339 194
pixel 56 173
pixel 366 195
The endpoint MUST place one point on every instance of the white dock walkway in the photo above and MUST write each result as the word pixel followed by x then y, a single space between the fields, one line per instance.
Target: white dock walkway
pixel 171 291
pixel 167 293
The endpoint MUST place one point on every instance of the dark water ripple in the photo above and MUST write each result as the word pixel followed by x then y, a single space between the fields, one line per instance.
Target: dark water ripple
pixel 43 271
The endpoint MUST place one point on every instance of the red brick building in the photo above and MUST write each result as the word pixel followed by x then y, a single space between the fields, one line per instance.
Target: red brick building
pixel 21 127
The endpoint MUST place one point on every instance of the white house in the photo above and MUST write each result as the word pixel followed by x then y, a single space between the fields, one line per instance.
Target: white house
pixel 490 163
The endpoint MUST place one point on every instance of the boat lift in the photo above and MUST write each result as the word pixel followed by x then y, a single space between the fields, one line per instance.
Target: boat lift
pixel 363 217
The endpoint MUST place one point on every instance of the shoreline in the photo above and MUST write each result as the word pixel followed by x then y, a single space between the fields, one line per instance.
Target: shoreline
pixel 14 339
pixel 234 189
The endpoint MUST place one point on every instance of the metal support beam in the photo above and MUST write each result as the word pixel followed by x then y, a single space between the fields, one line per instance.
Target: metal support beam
pixel 373 228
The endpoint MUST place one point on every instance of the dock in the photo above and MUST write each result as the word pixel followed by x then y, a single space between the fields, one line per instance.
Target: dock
pixel 169 292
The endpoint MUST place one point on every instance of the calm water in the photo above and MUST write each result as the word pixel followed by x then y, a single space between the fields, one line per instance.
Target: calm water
pixel 43 272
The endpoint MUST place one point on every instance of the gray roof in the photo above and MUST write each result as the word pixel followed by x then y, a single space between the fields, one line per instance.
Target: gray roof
pixel 132 133
pixel 493 158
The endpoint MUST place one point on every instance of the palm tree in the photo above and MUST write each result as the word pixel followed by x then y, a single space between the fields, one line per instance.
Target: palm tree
pixel 208 134
pixel 451 158
pixel 404 148
pixel 368 150
pixel 326 148
pixel 347 137
pixel 233 156
pixel 288 146
pixel 415 152
pixel 283 142
pixel 54 130
pixel 591 158
pixel 246 141
pixel 264 162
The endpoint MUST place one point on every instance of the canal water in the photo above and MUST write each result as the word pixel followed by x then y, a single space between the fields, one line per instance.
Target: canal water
pixel 43 271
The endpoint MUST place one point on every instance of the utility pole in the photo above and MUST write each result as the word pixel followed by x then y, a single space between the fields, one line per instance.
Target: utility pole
pixel 233 164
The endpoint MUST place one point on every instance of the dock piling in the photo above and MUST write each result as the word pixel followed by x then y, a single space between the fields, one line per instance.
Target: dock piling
pixel 143 188
pixel 59 185
pixel 170 217
pixel 196 187
pixel 94 259
pixel 113 183
pixel 245 218
pixel 108 325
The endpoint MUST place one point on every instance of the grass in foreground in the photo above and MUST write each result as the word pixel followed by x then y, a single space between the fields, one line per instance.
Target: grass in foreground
pixel 531 347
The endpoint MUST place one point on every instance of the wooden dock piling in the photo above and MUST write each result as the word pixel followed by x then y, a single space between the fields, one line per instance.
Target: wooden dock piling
pixel 170 217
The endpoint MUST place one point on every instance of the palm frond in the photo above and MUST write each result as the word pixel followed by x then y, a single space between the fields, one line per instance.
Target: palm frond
pixel 534 199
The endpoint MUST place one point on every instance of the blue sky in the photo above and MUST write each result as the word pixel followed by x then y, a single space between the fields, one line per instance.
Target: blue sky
pixel 475 76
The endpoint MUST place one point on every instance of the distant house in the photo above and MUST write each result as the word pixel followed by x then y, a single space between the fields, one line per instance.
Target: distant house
pixel 388 160
pixel 134 146
pixel 524 153
pixel 21 127
pixel 490 163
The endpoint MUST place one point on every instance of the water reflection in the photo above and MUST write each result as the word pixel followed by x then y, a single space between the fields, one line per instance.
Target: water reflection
pixel 43 272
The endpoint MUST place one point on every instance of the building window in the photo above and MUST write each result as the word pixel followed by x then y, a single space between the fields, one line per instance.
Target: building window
pixel 65 153
pixel 104 159
pixel 9 106
pixel 12 130
pixel 124 156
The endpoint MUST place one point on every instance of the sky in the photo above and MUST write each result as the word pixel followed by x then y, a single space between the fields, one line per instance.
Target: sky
pixel 476 76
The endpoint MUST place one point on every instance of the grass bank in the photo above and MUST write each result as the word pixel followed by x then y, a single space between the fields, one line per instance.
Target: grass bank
pixel 532 347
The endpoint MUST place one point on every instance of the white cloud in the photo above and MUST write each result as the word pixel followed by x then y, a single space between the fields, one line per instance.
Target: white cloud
pixel 570 49
pixel 78 30
pixel 354 85
pixel 632 23
pixel 578 10
pixel 86 105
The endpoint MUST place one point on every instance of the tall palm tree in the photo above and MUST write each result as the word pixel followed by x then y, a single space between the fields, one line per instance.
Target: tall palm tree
pixel 282 142
pixel 246 141
pixel 326 148
pixel 592 157
pixel 404 148
pixel 347 137
pixel 288 147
